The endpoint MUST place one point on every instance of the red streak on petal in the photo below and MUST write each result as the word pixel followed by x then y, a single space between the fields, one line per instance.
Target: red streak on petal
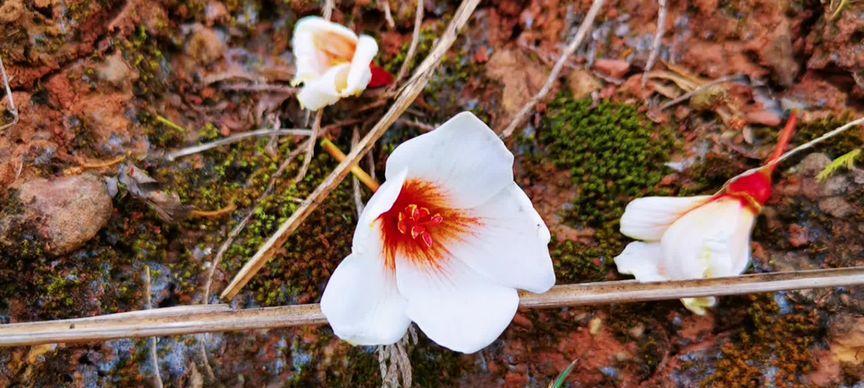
pixel 380 77
pixel 421 225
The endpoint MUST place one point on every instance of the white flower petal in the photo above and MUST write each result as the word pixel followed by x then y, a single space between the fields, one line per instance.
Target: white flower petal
pixel 462 156
pixel 367 236
pixel 362 304
pixel 310 34
pixel 712 240
pixel 322 91
pixel 510 245
pixel 647 218
pixel 642 260
pixel 360 73
pixel 456 307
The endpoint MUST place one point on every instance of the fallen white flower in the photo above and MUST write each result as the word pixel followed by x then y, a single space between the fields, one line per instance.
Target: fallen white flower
pixel 445 242
pixel 332 61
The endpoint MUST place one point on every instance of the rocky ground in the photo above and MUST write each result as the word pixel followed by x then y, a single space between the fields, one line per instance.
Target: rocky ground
pixel 105 89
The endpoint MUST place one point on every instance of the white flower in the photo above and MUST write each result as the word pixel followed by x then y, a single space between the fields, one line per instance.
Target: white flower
pixel 693 237
pixel 332 61
pixel 445 242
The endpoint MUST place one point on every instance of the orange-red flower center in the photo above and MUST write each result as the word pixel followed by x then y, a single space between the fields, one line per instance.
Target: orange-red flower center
pixel 421 225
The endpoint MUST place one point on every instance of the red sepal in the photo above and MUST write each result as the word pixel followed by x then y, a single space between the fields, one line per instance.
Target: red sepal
pixel 380 77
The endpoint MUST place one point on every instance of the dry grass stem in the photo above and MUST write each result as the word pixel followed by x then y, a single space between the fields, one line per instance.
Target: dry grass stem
pixel 810 144
pixel 415 41
pixel 556 70
pixel 234 139
pixel 215 318
pixel 658 39
pixel 358 172
pixel 154 357
pixel 310 147
pixel 12 109
pixel 355 183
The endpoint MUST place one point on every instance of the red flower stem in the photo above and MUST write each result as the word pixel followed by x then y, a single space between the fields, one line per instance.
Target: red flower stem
pixel 782 143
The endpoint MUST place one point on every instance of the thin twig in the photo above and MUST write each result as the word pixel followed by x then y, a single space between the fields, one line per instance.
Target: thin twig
pixel 556 70
pixel 258 87
pixel 154 357
pixel 658 39
pixel 234 139
pixel 327 10
pixel 796 150
pixel 406 96
pixel 701 88
pixel 358 172
pixel 217 318
pixel 310 147
pixel 12 108
pixel 355 183
pixel 388 15
pixel 417 124
pixel 415 41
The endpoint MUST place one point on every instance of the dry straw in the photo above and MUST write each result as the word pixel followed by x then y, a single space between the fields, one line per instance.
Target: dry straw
pixel 220 317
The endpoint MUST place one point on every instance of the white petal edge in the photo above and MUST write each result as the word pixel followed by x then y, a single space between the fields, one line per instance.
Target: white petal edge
pixel 362 303
pixel 456 307
pixel 306 53
pixel 642 260
pixel 367 235
pixel 712 240
pixel 360 73
pixel 463 156
pixel 510 246
pixel 647 218
pixel 323 91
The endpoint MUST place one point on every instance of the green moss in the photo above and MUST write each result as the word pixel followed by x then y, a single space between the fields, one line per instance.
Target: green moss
pixel 614 155
pixel 145 53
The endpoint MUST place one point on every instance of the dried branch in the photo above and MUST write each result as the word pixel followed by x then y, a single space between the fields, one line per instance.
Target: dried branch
pixel 701 88
pixel 358 172
pixel 154 357
pixel 216 318
pixel 258 87
pixel 556 70
pixel 658 39
pixel 406 96
pixel 355 183
pixel 415 41
pixel 12 108
pixel 310 147
pixel 327 10
pixel 388 15
pixel 234 139
pixel 796 150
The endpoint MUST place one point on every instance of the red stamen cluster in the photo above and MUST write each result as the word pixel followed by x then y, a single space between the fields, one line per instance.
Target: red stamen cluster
pixel 421 224
pixel 418 221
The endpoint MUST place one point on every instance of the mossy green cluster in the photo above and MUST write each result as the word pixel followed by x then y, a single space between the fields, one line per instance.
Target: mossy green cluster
pixel 144 53
pixel 614 154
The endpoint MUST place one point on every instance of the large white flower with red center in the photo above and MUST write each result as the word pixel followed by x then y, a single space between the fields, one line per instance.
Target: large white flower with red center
pixel 332 61
pixel 696 237
pixel 445 242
